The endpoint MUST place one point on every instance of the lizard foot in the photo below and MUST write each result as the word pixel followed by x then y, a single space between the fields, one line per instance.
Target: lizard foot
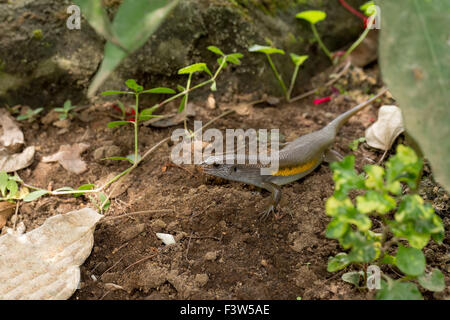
pixel 266 213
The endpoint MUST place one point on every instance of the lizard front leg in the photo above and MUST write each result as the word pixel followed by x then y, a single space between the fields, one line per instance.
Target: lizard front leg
pixel 275 199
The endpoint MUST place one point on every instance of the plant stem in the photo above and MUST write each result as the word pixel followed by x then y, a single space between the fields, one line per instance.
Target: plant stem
pixel 136 129
pixel 321 44
pixel 294 77
pixel 360 39
pixel 277 75
pixel 188 85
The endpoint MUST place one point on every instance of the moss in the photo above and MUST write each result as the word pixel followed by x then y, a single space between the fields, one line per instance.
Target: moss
pixel 38 34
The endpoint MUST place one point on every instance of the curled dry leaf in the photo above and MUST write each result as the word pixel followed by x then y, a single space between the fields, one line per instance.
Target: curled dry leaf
pixel 69 156
pixel 6 211
pixel 11 136
pixel 16 161
pixel 44 263
pixel 382 134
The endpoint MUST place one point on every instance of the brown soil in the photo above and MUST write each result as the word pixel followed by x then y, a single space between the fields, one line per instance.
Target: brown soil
pixel 223 250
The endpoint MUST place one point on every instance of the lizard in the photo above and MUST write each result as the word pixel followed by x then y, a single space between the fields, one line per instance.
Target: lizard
pixel 297 159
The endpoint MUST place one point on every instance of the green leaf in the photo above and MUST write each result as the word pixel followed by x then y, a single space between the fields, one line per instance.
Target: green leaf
pixel 12 187
pixel 180 88
pixel 298 60
pixel 4 178
pixel 216 50
pixel 415 64
pixel 102 197
pixel 112 92
pixel 368 8
pixel 182 104
pixel 134 23
pixel 196 67
pixel 312 16
pixel 160 91
pixel 416 221
pixel 130 158
pixel 84 187
pixel 355 143
pixel 132 84
pixel 374 178
pixel 410 261
pixel 265 49
pixel 67 105
pixel 433 281
pixel 234 58
pixel 375 201
pixel 114 124
pixel 345 177
pixel 339 262
pixel 388 259
pixel 353 277
pixel 397 290
pixel 214 86
pixel 97 17
pixel 35 195
pixel 405 166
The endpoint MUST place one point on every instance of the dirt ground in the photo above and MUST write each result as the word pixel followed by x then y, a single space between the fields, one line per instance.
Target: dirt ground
pixel 223 250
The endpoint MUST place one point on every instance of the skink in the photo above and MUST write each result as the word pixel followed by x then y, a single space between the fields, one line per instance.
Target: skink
pixel 297 159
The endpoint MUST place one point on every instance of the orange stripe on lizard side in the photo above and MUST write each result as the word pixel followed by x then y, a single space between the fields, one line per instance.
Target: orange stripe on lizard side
pixel 289 171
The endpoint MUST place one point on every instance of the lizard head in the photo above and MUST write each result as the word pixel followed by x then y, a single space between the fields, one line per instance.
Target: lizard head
pixel 229 170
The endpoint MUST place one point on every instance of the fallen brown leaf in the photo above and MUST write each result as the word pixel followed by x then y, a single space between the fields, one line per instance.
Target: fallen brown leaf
pixel 69 156
pixel 6 211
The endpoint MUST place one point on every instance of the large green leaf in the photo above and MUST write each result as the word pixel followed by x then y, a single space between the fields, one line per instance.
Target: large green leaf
pixel 134 23
pixel 415 64
pixel 397 290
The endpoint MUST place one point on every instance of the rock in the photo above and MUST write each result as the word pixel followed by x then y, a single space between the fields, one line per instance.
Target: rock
pixel 201 279
pixel 60 65
pixel 63 124
pixel 106 152
pixel 211 256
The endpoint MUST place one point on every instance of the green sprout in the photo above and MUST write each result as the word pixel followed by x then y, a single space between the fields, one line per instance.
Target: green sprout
pixel 315 16
pixel 65 112
pixel 296 59
pixel 30 115
pixel 404 219
pixel 38 34
pixel 355 143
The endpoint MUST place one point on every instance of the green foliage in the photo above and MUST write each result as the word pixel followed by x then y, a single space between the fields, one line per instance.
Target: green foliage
pixel 8 186
pixel 312 16
pixel 415 64
pixel 35 195
pixel 406 216
pixel 30 115
pixel 65 111
pixel 296 59
pixel 367 8
pixel 398 290
pixel 134 23
pixel 355 143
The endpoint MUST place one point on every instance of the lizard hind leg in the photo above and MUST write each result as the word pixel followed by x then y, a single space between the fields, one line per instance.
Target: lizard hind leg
pixel 275 199
pixel 331 156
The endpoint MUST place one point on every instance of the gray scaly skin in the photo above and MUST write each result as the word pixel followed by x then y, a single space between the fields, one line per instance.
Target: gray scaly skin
pixel 296 160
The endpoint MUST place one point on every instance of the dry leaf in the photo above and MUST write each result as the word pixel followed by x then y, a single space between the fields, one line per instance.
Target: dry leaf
pixel 12 137
pixel 44 263
pixel 69 156
pixel 16 161
pixel 6 211
pixel 382 134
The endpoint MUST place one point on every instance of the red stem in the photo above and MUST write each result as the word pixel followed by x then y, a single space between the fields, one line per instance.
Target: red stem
pixel 352 10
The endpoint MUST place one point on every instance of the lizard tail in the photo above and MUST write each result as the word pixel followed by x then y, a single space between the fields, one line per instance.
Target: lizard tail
pixel 337 123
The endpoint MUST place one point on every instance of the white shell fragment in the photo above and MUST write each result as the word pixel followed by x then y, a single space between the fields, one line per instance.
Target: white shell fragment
pixel 167 239
pixel 382 134
pixel 44 263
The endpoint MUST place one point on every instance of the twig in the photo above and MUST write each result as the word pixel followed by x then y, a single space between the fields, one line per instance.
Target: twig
pixel 139 261
pixel 329 83
pixel 115 264
pixel 135 213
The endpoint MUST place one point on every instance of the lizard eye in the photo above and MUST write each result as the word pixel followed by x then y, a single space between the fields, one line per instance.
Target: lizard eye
pixel 216 165
pixel 234 169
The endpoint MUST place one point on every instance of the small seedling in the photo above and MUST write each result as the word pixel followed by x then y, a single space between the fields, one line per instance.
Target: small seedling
pixel 66 111
pixel 315 16
pixel 30 115
pixel 296 59
pixel 407 222
pixel 355 143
